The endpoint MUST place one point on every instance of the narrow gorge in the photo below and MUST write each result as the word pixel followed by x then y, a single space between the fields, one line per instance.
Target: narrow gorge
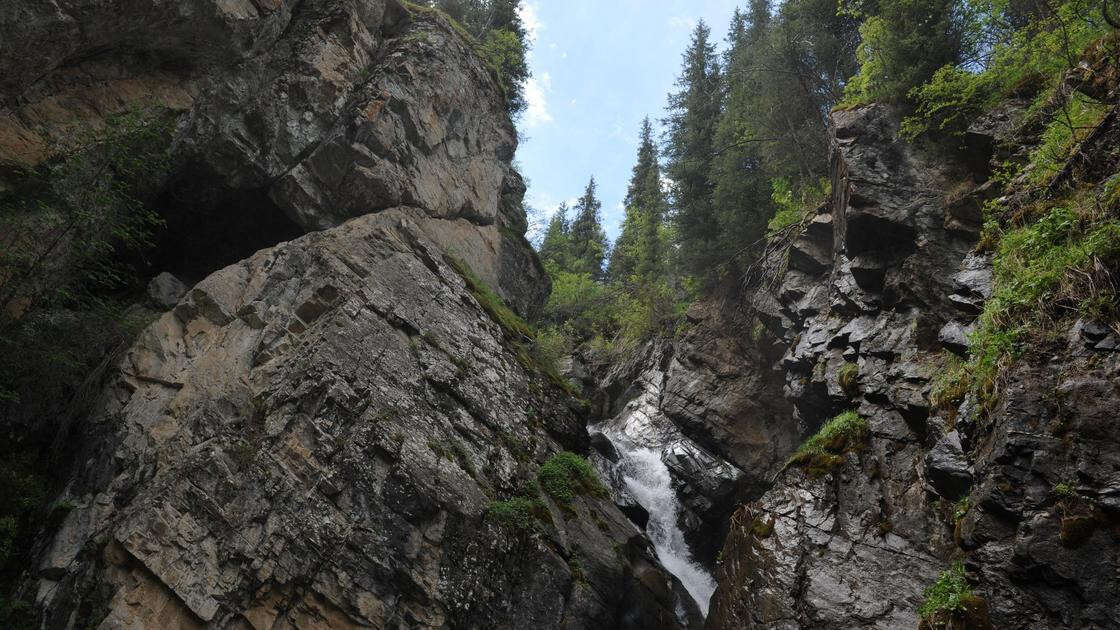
pixel 278 349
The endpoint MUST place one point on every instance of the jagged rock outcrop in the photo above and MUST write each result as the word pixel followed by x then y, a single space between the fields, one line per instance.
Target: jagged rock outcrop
pixel 712 406
pixel 330 109
pixel 312 437
pixel 878 286
pixel 322 434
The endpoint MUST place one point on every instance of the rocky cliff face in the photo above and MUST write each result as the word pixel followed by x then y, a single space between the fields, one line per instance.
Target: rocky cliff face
pixel 334 432
pixel 879 285
pixel 327 110
pixel 312 437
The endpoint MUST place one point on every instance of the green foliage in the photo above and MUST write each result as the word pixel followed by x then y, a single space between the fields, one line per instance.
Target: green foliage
pixel 1044 270
pixel 949 102
pixel 1019 60
pixel 524 514
pixel 903 43
pixel 566 475
pixel 641 246
pixel 960 508
pixel 848 377
pixel 587 242
pixel 66 232
pixel 1065 489
pixel 693 113
pixel 514 327
pixel 948 594
pixel 504 51
pixel 494 29
pixel 1067 128
pixel 578 302
pixel 64 228
pixel 824 451
pixel 950 384
pixel 791 208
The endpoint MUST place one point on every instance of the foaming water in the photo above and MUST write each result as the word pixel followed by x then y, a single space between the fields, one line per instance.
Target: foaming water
pixel 647 480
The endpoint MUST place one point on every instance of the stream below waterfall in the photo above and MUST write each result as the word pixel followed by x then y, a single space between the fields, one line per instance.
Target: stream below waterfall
pixel 644 441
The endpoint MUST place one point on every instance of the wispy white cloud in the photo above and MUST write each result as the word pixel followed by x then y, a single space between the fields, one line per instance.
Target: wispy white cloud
pixel 536 97
pixel 530 17
pixel 681 22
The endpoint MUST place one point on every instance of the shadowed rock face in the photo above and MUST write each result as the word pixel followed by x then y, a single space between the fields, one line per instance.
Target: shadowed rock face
pixel 312 437
pixel 331 109
pixel 854 548
pixel 886 290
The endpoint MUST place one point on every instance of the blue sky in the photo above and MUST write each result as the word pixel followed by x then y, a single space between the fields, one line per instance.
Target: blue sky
pixel 598 68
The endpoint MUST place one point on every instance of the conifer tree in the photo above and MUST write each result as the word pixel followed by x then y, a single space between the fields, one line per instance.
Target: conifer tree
pixel 638 244
pixel 588 241
pixel 651 236
pixel 693 113
pixel 556 241
pixel 741 187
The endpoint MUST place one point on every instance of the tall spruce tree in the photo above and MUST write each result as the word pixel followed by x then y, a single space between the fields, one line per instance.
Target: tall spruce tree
pixel 638 249
pixel 588 242
pixel 741 185
pixel 693 113
pixel 556 244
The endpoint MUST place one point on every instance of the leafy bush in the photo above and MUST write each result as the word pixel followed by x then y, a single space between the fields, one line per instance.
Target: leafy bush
pixel 519 513
pixel 824 451
pixel 1071 124
pixel 793 207
pixel 948 594
pixel 566 475
pixel 1018 61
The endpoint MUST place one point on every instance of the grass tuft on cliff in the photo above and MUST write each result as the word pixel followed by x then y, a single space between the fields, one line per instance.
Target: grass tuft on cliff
pixel 950 598
pixel 531 352
pixel 566 475
pixel 1051 266
pixel 495 306
pixel 824 451
pixel 523 514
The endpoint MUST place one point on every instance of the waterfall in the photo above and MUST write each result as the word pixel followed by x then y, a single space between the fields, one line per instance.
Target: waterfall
pixel 648 482
pixel 644 440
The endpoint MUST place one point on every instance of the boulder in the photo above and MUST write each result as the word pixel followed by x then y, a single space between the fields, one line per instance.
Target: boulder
pixel 165 291
pixel 947 468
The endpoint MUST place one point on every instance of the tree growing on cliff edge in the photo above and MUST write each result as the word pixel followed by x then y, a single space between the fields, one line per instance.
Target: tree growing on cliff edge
pixel 588 240
pixel 904 42
pixel 693 113
pixel 502 40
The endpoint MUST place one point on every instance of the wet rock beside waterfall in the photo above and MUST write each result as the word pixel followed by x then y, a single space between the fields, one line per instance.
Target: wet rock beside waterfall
pixel 947 468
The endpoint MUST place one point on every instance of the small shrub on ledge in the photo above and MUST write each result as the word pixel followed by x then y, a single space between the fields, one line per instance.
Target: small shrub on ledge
pixel 823 452
pixel 566 475
pixel 949 603
pixel 519 513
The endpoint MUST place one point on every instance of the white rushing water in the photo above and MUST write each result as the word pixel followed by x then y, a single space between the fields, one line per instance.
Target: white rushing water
pixel 642 437
pixel 647 480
